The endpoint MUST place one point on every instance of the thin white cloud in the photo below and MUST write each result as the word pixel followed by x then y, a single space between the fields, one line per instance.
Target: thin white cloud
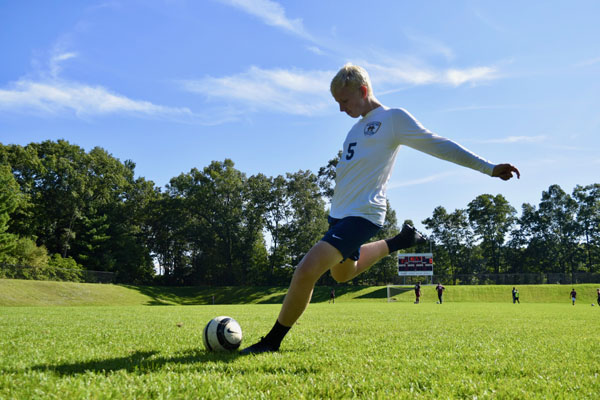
pixel 457 77
pixel 316 50
pixel 430 45
pixel 517 139
pixel 59 96
pixel 388 73
pixel 486 107
pixel 587 63
pixel 271 13
pixel 57 59
pixel 289 91
pixel 420 181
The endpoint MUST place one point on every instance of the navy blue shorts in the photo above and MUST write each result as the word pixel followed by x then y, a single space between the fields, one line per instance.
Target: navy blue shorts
pixel 348 234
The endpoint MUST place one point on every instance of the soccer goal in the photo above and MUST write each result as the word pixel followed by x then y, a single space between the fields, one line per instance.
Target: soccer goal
pixel 396 290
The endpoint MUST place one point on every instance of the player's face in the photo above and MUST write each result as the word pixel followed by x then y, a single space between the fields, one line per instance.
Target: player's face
pixel 352 101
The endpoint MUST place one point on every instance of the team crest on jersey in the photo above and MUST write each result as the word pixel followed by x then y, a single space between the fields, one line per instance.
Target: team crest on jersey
pixel 372 128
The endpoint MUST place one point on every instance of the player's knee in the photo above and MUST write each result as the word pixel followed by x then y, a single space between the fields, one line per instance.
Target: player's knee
pixel 305 274
pixel 340 276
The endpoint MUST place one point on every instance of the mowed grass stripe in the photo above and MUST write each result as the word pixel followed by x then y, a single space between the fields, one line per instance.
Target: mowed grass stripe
pixel 15 292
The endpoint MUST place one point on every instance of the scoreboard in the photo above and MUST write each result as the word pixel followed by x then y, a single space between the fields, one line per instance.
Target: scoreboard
pixel 415 264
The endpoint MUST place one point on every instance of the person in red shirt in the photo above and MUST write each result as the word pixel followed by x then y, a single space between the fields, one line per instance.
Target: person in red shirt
pixel 417 292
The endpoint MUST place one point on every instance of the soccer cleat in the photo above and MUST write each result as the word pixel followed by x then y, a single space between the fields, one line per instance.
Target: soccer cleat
pixel 411 236
pixel 261 347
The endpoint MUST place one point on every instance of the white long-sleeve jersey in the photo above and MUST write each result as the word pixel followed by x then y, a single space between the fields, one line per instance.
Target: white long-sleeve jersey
pixel 369 155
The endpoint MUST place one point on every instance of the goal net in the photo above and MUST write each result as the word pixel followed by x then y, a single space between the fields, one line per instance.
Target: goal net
pixel 397 292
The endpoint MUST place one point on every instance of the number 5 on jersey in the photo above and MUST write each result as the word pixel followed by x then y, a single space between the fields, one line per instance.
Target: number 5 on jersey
pixel 350 151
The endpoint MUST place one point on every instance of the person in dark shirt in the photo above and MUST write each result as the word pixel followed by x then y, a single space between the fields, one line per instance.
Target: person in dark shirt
pixel 332 296
pixel 573 296
pixel 417 292
pixel 440 291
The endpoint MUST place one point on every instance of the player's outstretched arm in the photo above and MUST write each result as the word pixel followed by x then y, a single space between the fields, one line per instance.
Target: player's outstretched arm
pixel 505 171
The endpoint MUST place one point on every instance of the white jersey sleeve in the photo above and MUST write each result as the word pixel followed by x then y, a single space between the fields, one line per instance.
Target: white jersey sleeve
pixel 408 131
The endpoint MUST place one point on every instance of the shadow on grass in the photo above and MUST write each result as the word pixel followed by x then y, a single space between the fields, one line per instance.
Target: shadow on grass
pixel 140 361
pixel 163 295
pixel 197 295
pixel 382 293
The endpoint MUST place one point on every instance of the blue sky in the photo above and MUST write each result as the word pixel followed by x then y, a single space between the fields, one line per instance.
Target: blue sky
pixel 176 84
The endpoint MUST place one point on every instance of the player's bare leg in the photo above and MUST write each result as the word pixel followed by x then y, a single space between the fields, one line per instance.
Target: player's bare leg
pixel 321 257
pixel 370 253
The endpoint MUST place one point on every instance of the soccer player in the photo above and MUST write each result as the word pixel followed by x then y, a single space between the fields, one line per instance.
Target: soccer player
pixel 418 293
pixel 440 291
pixel 573 296
pixel 358 205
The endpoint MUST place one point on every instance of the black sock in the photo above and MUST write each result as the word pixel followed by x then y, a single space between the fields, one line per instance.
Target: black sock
pixel 276 335
pixel 399 242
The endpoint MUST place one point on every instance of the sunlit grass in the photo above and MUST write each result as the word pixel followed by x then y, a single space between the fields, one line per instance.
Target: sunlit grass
pixel 367 350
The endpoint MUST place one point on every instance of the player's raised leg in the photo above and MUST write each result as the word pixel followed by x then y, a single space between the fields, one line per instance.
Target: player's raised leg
pixel 372 252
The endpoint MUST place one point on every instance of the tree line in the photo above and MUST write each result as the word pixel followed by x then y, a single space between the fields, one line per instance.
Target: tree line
pixel 62 208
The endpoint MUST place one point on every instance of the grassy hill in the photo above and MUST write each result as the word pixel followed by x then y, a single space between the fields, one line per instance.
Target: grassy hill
pixel 14 292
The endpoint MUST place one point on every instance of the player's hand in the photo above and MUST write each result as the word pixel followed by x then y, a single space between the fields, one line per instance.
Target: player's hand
pixel 505 171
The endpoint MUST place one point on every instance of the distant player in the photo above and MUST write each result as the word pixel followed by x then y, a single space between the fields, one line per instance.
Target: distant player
pixel 332 296
pixel 573 296
pixel 358 206
pixel 440 291
pixel 417 292
pixel 598 293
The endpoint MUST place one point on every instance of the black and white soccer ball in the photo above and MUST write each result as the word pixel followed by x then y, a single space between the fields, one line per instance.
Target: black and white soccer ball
pixel 222 333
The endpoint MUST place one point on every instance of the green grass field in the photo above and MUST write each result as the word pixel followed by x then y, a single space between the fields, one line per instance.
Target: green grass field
pixel 360 348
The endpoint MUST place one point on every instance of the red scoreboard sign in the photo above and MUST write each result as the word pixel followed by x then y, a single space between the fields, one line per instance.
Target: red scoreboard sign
pixel 415 264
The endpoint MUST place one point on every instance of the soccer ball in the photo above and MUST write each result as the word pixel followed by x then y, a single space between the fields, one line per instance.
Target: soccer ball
pixel 222 333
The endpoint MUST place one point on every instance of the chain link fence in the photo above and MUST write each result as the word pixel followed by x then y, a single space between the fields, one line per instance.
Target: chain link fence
pixel 502 279
pixel 8 271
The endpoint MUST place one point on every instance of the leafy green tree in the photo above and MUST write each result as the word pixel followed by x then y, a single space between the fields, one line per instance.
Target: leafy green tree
pixel 327 174
pixel 223 231
pixel 453 240
pixel 278 215
pixel 9 199
pixel 80 204
pixel 588 219
pixel 491 218
pixel 525 249
pixel 309 220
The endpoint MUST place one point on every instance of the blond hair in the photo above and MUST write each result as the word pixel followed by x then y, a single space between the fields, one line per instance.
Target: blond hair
pixel 351 76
